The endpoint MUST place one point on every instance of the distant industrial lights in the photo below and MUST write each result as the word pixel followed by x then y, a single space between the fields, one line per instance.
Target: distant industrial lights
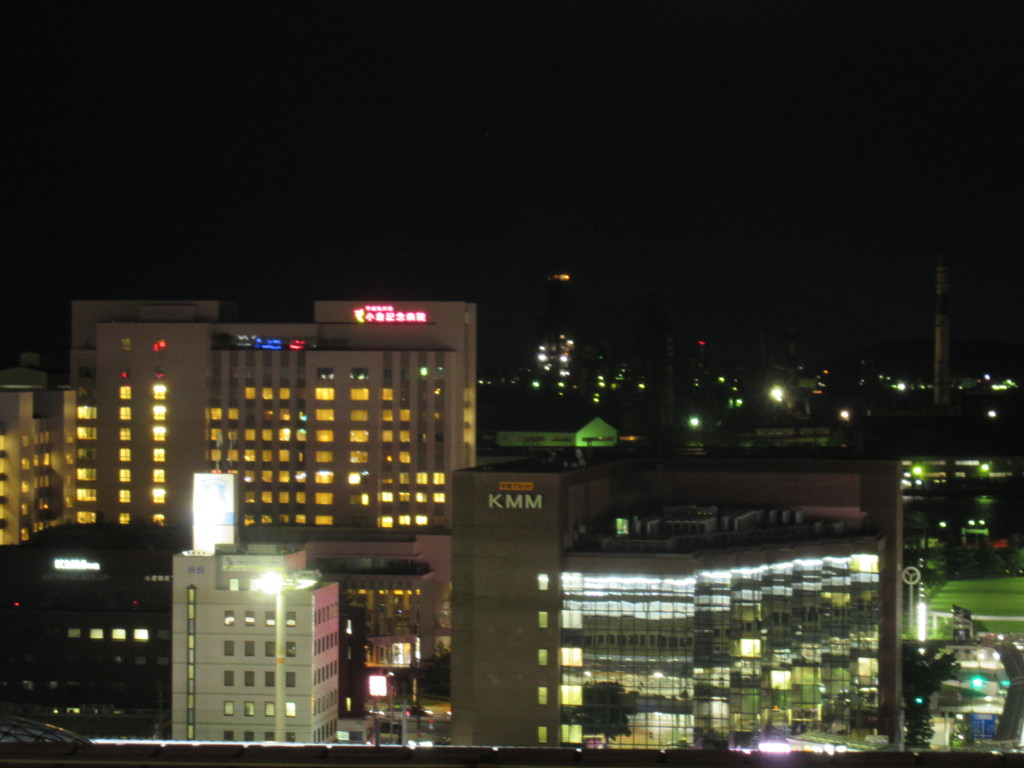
pixel 561 277
pixel 777 393
pixel 844 415
pixel 694 421
pixel 992 414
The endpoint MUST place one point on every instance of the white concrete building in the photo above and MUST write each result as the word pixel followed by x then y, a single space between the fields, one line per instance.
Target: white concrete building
pixel 235 675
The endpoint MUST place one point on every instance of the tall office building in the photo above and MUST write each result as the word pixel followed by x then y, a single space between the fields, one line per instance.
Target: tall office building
pixel 357 419
pixel 664 603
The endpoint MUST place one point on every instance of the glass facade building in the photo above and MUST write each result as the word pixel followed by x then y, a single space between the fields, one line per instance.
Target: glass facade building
pixel 721 656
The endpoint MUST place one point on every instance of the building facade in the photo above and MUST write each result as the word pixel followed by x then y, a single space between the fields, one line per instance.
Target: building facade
pixel 37 464
pixel 356 420
pixel 230 681
pixel 86 637
pixel 647 604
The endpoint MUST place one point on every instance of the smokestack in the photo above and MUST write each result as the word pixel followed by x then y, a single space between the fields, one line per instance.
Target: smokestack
pixel 942 375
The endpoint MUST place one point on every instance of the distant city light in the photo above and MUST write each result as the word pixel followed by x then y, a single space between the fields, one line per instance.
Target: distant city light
pixel 777 393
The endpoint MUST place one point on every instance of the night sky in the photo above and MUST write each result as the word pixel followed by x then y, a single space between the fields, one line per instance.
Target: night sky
pixel 759 166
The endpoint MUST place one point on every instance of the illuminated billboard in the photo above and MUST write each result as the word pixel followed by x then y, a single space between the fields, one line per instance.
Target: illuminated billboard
pixel 214 510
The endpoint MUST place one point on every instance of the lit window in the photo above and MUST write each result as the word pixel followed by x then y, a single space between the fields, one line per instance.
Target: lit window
pixel 387 416
pixel 159 519
pixel 359 436
pixel 542 657
pixel 439 498
pixel 159 434
pixel 95 634
pixel 289 709
pixel 387 435
pixel 404 414
pixel 126 344
pixel 124 433
pixel 404 519
pixel 422 520
pixel 404 457
pixel 250 393
pixel 542 581
pixel 387 394
pixel 359 393
pixel 87 411
pixel 324 498
pixel 387 522
pixel 542 734
pixel 323 520
pixel 229 708
pixel 324 476
pixel 324 393
pixel 403 436
pixel 324 456
pixel 572 657
pixel 159 455
pixel 124 454
pixel 160 393
pixel 124 496
pixel 542 619
pixel 324 414
pixel 571 696
pixel 125 393
pixel 542 695
pixel 160 345
pixel 85 473
pixel 439 478
pixel 267 434
pixel 229 618
pixel 387 496
pixel 124 518
pixel 85 494
pixel 124 412
pixel 355 478
pixel 159 495
pixel 284 393
pixel 74 633
pixel 358 457
pixel 159 413
pixel 118 634
pixel 249 708
pixel 140 635
pixel 359 414
pixel 159 475
pixel 267 393
pixel 86 433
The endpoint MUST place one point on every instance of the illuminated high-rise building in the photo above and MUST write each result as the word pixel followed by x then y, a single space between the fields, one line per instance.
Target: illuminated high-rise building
pixel 356 420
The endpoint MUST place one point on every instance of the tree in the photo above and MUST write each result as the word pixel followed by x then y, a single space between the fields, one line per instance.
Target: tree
pixel 437 675
pixel 605 711
pixel 925 667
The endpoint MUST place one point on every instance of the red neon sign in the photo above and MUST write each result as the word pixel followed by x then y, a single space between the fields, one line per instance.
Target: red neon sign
pixel 385 313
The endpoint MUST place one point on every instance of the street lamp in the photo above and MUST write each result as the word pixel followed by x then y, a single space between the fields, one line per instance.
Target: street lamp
pixel 277 583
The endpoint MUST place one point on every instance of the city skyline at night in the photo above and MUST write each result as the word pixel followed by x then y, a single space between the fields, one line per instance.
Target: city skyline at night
pixel 761 169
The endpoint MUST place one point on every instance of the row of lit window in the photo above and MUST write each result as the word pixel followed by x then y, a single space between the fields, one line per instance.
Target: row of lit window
pixel 269 618
pixel 267 455
pixel 388 521
pixel 159 454
pixel 125 393
pixel 98 633
pixel 89 433
pixel 124 413
pixel 124 495
pixel 320 477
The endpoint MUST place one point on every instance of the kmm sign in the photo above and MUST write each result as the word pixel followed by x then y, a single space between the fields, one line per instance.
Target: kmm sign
pixel 515 501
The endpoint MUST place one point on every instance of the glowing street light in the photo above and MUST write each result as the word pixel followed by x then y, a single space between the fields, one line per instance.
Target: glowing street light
pixel 277 583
